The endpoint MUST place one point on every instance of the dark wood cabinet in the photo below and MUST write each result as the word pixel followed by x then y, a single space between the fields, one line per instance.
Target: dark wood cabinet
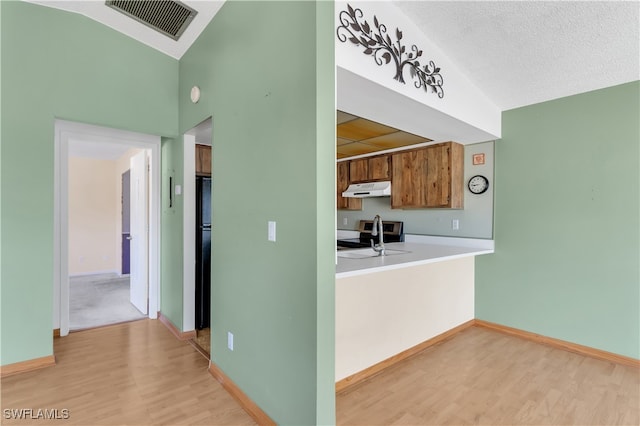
pixel 428 177
pixel 203 160
pixel 343 203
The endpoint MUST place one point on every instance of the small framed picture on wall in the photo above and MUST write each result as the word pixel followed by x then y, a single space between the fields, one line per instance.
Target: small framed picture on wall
pixel 478 159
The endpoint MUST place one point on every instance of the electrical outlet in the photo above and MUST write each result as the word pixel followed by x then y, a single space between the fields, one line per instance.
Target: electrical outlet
pixel 345 221
pixel 455 224
pixel 230 340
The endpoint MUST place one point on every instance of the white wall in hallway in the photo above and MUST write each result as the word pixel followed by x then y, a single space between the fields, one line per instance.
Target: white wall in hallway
pixel 93 216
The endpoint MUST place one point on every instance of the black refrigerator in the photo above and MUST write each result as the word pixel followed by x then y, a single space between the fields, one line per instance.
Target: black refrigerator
pixel 203 252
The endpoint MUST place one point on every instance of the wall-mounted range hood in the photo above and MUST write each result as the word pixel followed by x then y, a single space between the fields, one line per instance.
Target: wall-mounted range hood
pixel 368 190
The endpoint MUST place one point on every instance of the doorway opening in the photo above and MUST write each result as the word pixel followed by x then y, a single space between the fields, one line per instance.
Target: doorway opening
pixel 101 214
pixel 92 286
pixel 197 236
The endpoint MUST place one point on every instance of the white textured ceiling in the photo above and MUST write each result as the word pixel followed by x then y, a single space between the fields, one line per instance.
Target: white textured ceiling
pixel 524 52
pixel 99 11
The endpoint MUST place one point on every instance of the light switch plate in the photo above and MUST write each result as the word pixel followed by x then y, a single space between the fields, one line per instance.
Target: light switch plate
pixel 178 189
pixel 271 233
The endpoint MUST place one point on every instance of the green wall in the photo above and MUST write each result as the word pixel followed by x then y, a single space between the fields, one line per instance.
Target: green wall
pixel 257 65
pixel 60 65
pixel 325 214
pixel 266 70
pixel 566 222
pixel 171 255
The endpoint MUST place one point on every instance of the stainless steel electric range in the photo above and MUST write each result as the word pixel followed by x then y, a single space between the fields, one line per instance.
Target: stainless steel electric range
pixel 392 232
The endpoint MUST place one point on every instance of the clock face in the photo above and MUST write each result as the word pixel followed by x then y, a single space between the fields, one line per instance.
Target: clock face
pixel 478 184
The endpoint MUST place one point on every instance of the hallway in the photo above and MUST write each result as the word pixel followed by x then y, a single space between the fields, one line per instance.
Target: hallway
pixel 98 300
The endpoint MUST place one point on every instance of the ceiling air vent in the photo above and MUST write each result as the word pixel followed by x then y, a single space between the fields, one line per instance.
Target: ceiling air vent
pixel 169 17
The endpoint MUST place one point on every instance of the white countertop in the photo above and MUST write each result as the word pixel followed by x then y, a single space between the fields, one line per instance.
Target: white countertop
pixel 419 254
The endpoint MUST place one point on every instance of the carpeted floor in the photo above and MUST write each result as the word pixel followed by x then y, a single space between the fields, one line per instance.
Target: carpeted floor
pixel 96 300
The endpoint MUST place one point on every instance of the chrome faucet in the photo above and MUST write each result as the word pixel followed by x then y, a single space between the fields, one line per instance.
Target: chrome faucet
pixel 378 231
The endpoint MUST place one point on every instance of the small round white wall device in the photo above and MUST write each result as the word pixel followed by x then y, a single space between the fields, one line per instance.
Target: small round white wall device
pixel 195 94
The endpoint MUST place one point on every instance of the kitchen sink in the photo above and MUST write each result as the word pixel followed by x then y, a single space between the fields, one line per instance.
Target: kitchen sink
pixel 368 252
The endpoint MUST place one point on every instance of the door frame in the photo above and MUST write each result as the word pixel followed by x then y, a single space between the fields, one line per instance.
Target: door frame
pixel 189 223
pixel 66 131
pixel 139 225
pixel 189 234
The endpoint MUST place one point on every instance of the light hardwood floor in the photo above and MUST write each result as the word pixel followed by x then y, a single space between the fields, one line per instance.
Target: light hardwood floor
pixel 481 376
pixel 135 373
pixel 139 374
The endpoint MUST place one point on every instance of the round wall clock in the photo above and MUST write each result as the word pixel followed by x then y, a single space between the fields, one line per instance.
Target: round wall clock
pixel 478 184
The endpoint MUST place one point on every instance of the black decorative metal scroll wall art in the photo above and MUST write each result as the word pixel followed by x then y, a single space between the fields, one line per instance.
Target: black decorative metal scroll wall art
pixel 378 44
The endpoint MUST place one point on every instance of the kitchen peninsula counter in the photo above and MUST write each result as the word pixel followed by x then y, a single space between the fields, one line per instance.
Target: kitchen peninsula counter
pixel 388 305
pixel 421 250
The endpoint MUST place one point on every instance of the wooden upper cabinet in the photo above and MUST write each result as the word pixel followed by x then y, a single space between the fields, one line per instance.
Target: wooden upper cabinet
pixel 408 182
pixel 370 169
pixel 343 203
pixel 203 160
pixel 429 177
pixel 359 170
pixel 380 168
